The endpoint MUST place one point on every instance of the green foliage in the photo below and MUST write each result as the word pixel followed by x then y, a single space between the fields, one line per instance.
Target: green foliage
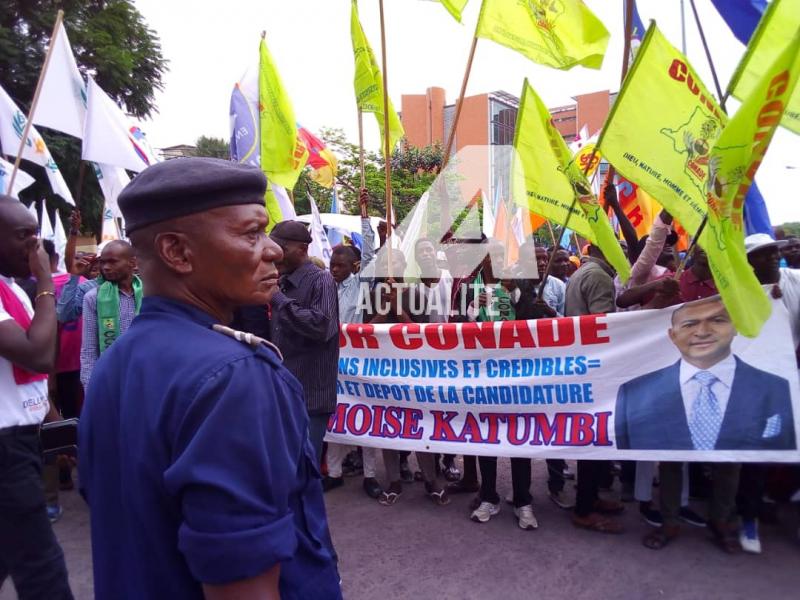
pixel 111 42
pixel 412 171
pixel 212 147
pixel 791 228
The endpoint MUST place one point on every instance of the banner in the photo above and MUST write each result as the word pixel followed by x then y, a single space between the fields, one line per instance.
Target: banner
pixel 622 386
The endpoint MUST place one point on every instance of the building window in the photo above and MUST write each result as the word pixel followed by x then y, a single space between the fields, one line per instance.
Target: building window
pixel 502 124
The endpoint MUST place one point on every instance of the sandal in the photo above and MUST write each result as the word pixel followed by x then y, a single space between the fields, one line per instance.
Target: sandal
pixel 392 495
pixel 658 538
pixel 597 522
pixel 439 497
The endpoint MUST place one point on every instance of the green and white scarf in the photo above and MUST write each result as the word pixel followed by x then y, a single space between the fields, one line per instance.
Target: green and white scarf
pixel 108 310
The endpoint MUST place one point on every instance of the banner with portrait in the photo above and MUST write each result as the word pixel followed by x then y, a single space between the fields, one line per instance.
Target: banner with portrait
pixel 671 384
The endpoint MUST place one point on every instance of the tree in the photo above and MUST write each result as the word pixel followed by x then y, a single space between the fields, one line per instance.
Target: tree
pixel 413 171
pixel 111 42
pixel 212 147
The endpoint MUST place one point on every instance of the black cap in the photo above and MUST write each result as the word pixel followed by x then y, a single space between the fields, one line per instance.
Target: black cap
pixel 291 231
pixel 185 186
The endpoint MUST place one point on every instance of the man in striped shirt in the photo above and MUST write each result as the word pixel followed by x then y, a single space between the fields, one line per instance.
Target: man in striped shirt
pixel 305 326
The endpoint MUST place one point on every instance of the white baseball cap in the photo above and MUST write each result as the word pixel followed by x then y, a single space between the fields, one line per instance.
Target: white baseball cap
pixel 759 241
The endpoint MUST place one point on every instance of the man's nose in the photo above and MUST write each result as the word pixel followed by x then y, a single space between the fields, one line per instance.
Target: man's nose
pixel 272 251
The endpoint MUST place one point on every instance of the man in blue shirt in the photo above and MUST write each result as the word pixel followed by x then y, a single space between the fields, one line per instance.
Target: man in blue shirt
pixel 219 496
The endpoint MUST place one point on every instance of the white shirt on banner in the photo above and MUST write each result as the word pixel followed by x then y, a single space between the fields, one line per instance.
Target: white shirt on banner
pixel 20 404
pixel 690 387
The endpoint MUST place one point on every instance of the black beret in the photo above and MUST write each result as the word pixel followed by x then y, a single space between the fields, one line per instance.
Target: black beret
pixel 291 231
pixel 185 186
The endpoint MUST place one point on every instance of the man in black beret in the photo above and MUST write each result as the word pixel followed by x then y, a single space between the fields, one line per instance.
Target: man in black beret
pixel 305 325
pixel 221 494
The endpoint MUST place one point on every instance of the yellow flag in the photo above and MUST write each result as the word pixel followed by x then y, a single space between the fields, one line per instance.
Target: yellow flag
pixel 587 152
pixel 283 154
pixel 777 27
pixel 369 82
pixel 546 180
pixel 454 7
pixel 556 33
pixel 661 129
pixel 733 164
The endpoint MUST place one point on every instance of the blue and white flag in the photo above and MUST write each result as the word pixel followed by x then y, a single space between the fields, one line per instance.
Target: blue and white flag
pixel 245 141
pixel 741 16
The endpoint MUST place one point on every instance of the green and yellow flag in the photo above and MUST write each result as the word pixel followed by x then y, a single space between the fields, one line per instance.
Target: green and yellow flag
pixel 732 167
pixel 777 28
pixel 546 180
pixel 454 7
pixel 661 130
pixel 369 82
pixel 556 33
pixel 283 154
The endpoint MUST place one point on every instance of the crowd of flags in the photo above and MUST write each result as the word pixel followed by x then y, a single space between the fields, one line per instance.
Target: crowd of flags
pixel 667 137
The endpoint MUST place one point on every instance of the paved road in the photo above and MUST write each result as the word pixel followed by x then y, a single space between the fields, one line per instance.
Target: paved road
pixel 417 550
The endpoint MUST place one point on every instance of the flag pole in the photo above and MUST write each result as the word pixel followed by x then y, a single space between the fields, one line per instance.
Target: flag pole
pixel 29 120
pixel 708 56
pixel 451 135
pixel 361 147
pixel 387 159
pixel 626 55
pixel 552 235
pixel 722 98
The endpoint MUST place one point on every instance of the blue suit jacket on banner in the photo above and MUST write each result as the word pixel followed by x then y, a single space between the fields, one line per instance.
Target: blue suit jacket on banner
pixel 650 413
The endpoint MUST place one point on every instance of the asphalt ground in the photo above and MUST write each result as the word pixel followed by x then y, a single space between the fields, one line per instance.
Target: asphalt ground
pixel 417 550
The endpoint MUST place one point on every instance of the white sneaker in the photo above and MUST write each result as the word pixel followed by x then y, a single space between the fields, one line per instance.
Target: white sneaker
pixel 484 512
pixel 748 537
pixel 525 517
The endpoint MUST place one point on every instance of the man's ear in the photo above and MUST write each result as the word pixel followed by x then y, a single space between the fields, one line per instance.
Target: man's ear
pixel 174 250
pixel 356 266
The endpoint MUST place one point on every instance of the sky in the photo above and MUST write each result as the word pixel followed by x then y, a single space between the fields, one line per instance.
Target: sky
pixel 209 45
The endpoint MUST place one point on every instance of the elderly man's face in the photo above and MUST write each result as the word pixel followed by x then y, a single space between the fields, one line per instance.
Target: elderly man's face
pixel 703 333
pixel 237 259
pixel 295 254
pixel 791 252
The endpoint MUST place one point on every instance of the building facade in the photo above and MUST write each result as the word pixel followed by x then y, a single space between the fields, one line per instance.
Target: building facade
pixel 489 120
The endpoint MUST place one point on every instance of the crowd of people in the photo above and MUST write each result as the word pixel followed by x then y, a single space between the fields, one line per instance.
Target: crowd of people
pixel 225 491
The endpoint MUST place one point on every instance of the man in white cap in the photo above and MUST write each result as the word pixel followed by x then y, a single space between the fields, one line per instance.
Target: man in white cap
pixel 764 255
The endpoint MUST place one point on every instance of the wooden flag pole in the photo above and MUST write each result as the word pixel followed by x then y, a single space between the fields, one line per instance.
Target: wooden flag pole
pixel 29 120
pixel 552 235
pixel 387 158
pixel 626 54
pixel 361 148
pixel 452 133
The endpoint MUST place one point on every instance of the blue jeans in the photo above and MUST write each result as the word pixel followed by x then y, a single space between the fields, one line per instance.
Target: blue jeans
pixel 317 426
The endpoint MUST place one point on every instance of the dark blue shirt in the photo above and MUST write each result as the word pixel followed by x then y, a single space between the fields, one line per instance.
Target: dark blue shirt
pixel 196 465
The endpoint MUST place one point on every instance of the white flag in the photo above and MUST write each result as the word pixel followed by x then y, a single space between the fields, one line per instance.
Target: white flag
pixel 112 181
pixel 109 137
pixel 21 181
pixel 12 125
pixel 488 217
pixel 46 229
pixel 110 227
pixel 319 246
pixel 60 240
pixel 284 203
pixel 62 101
